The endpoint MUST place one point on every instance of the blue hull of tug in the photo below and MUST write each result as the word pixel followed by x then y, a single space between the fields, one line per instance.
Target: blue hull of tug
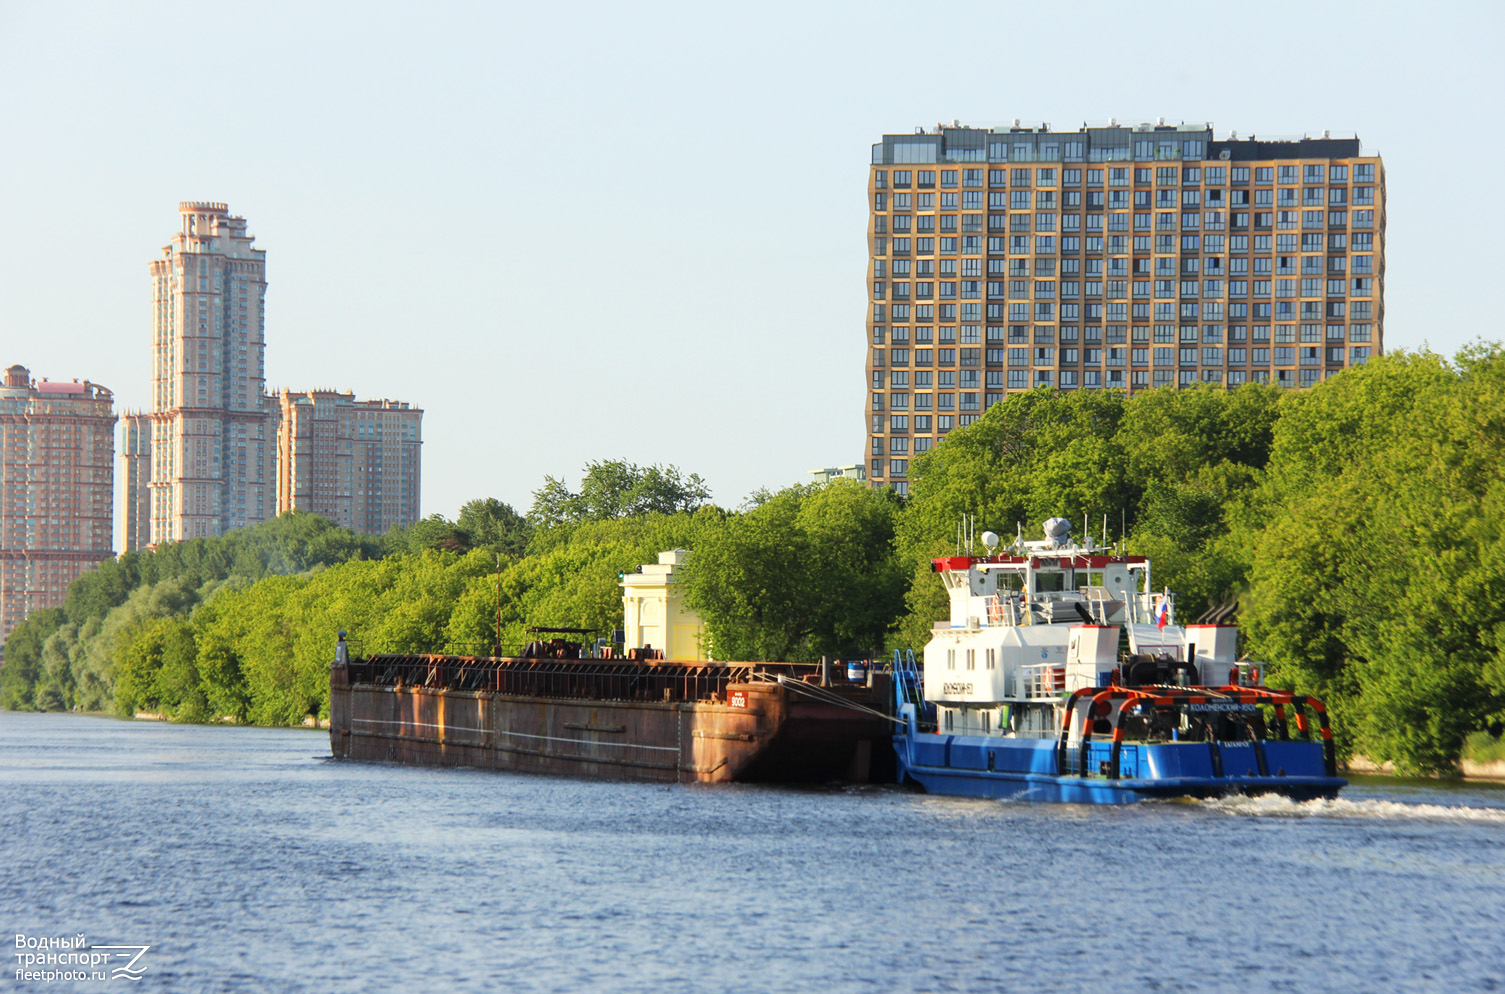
pixel 993 766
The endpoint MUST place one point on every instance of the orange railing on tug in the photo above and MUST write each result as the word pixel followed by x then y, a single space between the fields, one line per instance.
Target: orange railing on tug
pixel 1129 699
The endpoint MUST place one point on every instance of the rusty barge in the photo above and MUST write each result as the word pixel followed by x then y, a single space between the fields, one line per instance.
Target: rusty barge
pixel 611 718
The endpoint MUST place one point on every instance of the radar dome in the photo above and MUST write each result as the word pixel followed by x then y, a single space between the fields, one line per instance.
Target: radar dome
pixel 990 541
pixel 1057 530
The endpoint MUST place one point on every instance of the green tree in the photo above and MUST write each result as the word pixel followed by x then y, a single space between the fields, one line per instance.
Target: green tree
pixel 494 526
pixel 572 580
pixel 23 658
pixel 1378 543
pixel 617 489
pixel 55 683
pixel 810 571
pixel 158 672
pixel 435 532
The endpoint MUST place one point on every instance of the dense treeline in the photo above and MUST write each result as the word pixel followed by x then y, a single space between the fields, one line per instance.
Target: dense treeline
pixel 241 626
pixel 1358 524
pixel 1374 550
pixel 66 657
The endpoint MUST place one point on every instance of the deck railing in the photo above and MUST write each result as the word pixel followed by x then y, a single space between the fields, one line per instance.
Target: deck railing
pixel 1042 680
pixel 599 679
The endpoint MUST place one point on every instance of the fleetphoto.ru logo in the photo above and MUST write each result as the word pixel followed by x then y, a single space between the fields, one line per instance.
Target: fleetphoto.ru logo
pixel 73 958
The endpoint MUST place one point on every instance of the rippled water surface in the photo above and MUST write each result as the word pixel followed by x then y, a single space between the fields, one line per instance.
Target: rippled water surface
pixel 250 861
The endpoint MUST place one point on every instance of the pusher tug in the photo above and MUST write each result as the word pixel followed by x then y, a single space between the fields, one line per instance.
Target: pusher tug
pixel 1062 676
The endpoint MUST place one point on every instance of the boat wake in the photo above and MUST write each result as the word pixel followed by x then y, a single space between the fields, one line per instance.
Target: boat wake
pixel 1274 806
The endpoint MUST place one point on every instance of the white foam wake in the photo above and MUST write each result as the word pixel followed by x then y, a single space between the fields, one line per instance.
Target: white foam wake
pixel 1275 806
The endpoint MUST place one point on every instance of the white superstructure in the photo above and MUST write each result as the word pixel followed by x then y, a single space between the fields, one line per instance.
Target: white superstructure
pixel 1050 617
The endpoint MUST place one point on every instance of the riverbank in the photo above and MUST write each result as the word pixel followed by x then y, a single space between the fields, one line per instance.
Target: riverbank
pixel 1493 771
pixel 154 716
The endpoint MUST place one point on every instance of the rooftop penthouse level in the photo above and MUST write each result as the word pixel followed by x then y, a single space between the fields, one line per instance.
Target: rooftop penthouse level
pixel 1114 143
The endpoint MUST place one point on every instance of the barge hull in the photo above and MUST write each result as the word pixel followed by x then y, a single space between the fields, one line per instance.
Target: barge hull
pixel 766 736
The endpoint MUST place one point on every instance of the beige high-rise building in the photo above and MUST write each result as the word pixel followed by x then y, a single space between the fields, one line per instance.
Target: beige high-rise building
pixel 356 462
pixel 1005 259
pixel 212 448
pixel 136 472
pixel 57 447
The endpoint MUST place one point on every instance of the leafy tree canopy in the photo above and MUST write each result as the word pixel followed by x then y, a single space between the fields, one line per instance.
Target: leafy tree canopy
pixel 617 489
pixel 494 526
pixel 809 571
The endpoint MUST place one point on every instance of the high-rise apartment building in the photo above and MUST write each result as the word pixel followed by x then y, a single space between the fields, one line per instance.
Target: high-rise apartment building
pixel 136 472
pixel 57 448
pixel 212 448
pixel 356 462
pixel 1120 257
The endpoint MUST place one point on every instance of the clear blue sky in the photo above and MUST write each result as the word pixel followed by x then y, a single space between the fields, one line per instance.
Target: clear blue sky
pixel 586 231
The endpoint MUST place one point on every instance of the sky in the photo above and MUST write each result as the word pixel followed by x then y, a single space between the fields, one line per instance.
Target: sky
pixel 573 232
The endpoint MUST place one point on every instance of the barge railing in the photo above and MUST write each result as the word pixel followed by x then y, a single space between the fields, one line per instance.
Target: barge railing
pixel 589 678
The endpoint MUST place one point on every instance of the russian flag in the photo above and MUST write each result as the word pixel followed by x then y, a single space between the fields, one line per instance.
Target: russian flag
pixel 1162 610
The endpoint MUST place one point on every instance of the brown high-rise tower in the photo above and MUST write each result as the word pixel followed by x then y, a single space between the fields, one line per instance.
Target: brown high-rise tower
pixel 1006 259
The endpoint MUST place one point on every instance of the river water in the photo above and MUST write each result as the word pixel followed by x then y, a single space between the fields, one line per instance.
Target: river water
pixel 248 860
